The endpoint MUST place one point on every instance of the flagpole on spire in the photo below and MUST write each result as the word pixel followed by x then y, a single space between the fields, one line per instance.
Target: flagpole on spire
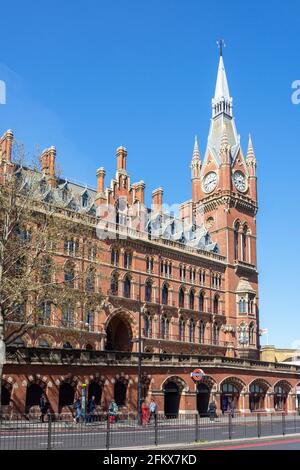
pixel 221 44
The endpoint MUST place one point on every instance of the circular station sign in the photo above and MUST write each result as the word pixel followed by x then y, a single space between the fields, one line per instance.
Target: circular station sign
pixel 197 375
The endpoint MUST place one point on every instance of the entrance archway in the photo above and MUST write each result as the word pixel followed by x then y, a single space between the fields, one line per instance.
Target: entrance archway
pixel 95 389
pixel 5 396
pixel 33 396
pixel 171 399
pixel 281 392
pixel 118 335
pixel 66 396
pixel 203 394
pixel 230 394
pixel 257 395
pixel 120 392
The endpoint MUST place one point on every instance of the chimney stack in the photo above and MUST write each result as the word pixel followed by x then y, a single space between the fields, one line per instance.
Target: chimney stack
pixel 121 158
pixel 139 191
pixel 6 145
pixel 157 200
pixel 100 180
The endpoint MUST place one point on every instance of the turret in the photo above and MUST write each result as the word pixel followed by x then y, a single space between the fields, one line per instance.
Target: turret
pixel 251 165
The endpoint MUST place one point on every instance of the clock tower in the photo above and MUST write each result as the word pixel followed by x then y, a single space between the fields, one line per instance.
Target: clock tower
pixel 225 191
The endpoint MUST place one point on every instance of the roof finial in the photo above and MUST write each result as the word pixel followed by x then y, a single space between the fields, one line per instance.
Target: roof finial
pixel 196 153
pixel 221 44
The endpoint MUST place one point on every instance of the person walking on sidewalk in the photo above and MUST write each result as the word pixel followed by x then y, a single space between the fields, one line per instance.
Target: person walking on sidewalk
pixel 152 410
pixel 212 407
pixel 44 405
pixel 112 411
pixel 145 413
pixel 77 408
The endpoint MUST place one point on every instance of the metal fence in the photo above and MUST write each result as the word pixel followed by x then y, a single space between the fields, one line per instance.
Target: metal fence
pixel 100 432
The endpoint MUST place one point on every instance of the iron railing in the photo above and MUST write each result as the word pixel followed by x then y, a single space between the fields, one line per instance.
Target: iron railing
pixel 100 431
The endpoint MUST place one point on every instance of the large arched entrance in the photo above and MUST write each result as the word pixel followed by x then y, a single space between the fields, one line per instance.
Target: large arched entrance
pixel 257 395
pixel 172 389
pixel 5 395
pixel 33 396
pixel 118 335
pixel 120 392
pixel 203 394
pixel 95 390
pixel 281 392
pixel 230 394
pixel 66 396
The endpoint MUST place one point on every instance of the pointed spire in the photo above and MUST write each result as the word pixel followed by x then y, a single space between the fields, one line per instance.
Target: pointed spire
pixel 250 153
pixel 222 89
pixel 222 101
pixel 196 153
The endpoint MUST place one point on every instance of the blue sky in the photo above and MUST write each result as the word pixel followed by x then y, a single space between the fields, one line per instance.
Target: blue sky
pixel 90 76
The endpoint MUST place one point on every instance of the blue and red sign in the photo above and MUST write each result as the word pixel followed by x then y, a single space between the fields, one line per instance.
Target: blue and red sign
pixel 197 375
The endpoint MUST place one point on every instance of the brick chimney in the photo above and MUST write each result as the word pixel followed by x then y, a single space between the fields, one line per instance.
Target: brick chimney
pixel 48 165
pixel 100 180
pixel 139 191
pixel 121 158
pixel 6 142
pixel 157 200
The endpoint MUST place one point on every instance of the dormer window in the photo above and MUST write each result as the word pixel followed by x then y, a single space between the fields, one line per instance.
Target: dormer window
pixel 85 199
pixel 64 195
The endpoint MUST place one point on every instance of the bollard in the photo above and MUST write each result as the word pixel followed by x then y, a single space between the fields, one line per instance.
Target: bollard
pixel 107 433
pixel 197 427
pixel 283 423
pixel 258 425
pixel 230 426
pixel 49 431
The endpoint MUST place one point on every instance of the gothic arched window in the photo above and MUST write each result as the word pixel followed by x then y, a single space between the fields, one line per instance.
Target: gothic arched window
pixel 201 302
pixel 127 287
pixel 191 300
pixel 201 332
pixel 181 329
pixel 114 284
pixel 216 333
pixel 148 291
pixel 181 298
pixel 216 304
pixel 192 331
pixel 236 240
pixel 69 274
pixel 165 294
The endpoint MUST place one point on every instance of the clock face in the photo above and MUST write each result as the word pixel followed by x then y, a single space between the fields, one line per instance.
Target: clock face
pixel 239 181
pixel 210 182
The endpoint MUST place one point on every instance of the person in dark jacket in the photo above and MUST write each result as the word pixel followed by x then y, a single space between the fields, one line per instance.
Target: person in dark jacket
pixel 44 405
pixel 77 408
pixel 212 410
pixel 91 408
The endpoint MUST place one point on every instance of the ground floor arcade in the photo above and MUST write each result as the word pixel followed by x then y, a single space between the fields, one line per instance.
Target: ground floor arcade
pixel 246 389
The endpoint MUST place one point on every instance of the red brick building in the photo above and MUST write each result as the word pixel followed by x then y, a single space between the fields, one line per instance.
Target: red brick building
pixel 187 285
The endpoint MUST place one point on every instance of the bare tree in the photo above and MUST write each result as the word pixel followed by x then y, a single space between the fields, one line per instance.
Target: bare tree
pixel 32 233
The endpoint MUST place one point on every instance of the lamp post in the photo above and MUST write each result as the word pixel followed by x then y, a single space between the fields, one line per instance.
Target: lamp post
pixel 139 398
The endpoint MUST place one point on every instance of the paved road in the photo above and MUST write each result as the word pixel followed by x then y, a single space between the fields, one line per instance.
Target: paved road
pixel 276 444
pixel 129 434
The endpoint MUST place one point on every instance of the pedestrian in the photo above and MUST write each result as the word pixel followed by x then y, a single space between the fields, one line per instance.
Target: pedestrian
pixel 44 405
pixel 212 407
pixel 91 408
pixel 152 410
pixel 232 410
pixel 145 413
pixel 112 411
pixel 77 408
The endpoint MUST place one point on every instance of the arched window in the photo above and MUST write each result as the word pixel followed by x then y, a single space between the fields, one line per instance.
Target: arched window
pixel 85 199
pixel 201 332
pixel 164 327
pixel 114 284
pixel 67 345
pixel 127 260
pixel 191 300
pixel 90 280
pixel 115 257
pixel 19 312
pixel 127 287
pixel 192 331
pixel 147 326
pixel 216 305
pixel 68 316
pixel 201 302
pixel 44 314
pixel 251 334
pixel 216 333
pixel 148 291
pixel 89 320
pixel 236 240
pixel 181 298
pixel 181 329
pixel 244 243
pixel 46 270
pixel 69 274
pixel 165 295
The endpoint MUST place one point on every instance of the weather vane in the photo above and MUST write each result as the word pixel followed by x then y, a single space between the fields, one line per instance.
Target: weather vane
pixel 221 44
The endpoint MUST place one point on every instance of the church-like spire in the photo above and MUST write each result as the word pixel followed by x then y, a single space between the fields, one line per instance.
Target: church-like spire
pixel 196 153
pixel 224 146
pixel 222 101
pixel 250 152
